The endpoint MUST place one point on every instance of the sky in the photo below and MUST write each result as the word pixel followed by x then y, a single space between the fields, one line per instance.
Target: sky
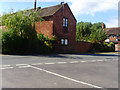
pixel 94 11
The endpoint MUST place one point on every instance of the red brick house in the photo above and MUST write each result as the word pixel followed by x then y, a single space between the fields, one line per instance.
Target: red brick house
pixel 59 21
pixel 113 36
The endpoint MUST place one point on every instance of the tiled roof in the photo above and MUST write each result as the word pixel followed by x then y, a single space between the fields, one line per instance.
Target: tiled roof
pixel 48 11
pixel 114 31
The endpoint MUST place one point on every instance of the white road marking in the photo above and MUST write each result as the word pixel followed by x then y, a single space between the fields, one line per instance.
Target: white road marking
pixel 21 64
pixel 24 66
pixel 74 61
pixel 6 67
pixel 69 62
pixel 27 65
pixel 71 79
pixel 2 68
pixel 37 64
pixel 61 62
pixel 83 61
pixel 49 63
pixel 93 60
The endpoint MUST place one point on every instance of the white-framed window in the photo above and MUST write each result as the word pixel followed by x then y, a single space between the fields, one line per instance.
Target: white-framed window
pixel 65 22
pixel 64 41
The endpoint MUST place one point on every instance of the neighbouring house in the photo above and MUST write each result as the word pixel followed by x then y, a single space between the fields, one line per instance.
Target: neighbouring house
pixel 113 36
pixel 60 22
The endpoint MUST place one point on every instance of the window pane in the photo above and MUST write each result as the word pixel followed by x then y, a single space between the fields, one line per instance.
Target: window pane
pixel 63 23
pixel 63 19
pixel 66 42
pixel 62 41
pixel 66 22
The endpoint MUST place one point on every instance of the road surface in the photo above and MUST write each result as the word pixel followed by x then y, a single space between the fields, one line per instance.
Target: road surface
pixel 60 71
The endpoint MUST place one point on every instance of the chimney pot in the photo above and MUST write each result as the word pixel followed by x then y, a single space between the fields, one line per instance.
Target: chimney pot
pixel 62 3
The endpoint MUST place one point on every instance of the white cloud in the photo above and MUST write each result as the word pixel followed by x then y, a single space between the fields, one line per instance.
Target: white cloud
pixel 92 6
pixel 113 22
pixel 81 6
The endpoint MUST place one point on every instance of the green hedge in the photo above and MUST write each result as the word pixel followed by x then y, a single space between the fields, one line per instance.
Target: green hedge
pixel 13 44
pixel 103 47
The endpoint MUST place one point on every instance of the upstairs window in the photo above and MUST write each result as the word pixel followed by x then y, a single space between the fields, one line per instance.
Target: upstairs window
pixel 65 22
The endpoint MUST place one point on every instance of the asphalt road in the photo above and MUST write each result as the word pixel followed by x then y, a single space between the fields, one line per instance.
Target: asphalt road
pixel 60 71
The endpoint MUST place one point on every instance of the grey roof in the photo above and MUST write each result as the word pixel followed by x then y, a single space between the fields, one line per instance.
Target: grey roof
pixel 114 31
pixel 48 11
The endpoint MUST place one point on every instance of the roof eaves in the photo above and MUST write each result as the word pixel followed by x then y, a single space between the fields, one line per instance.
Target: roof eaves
pixel 71 12
pixel 46 16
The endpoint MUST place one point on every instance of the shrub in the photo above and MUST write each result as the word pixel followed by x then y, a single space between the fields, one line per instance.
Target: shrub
pixel 103 47
pixel 14 44
pixel 86 31
pixel 21 36
pixel 45 43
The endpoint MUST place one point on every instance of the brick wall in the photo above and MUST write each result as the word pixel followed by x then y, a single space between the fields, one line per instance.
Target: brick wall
pixel 82 46
pixel 45 27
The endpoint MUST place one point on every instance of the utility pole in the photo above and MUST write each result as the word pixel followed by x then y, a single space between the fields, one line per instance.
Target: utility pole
pixel 35 4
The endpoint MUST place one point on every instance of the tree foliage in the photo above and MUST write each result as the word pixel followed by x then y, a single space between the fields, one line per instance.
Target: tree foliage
pixel 86 31
pixel 21 36
pixel 83 30
pixel 21 23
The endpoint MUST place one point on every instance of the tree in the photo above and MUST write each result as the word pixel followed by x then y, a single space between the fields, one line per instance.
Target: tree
pixel 21 23
pixel 83 30
pixel 97 34
pixel 89 32
pixel 21 36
